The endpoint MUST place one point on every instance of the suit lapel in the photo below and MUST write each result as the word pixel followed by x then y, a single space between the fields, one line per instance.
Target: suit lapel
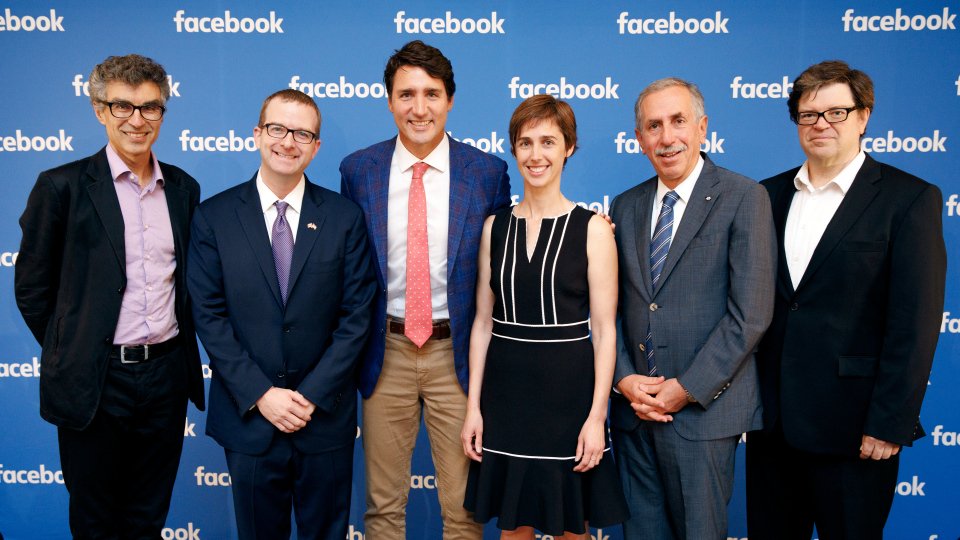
pixel 105 201
pixel 643 211
pixel 378 179
pixel 704 196
pixel 311 223
pixel 862 192
pixel 250 216
pixel 460 195
pixel 781 208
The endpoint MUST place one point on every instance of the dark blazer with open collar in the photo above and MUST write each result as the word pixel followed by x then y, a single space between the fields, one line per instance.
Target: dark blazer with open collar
pixel 71 274
pixel 850 348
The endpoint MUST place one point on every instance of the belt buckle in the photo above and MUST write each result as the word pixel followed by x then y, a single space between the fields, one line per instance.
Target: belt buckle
pixel 123 355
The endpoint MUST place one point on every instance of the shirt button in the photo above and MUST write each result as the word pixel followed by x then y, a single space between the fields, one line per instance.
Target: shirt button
pixel 654 307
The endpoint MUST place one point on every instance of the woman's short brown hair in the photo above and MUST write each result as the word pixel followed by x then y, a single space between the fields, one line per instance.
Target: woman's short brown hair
pixel 536 109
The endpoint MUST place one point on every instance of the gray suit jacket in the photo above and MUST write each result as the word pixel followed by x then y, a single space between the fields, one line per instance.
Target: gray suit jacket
pixel 711 306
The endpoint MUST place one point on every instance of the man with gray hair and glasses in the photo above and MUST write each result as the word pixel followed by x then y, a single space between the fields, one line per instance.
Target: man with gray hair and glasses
pixel 100 283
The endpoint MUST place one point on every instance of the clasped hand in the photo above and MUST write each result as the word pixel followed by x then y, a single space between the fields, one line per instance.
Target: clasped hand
pixel 288 410
pixel 653 398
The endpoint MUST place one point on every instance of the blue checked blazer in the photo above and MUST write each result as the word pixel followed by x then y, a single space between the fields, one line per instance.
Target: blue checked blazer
pixel 479 186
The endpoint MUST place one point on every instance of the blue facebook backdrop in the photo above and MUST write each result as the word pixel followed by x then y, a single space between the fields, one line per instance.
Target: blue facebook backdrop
pixel 224 57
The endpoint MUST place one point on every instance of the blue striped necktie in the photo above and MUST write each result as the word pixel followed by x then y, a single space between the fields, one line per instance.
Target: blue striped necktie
pixel 659 247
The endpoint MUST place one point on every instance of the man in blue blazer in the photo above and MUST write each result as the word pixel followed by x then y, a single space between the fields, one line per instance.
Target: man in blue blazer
pixel 697 255
pixel 859 297
pixel 282 284
pixel 400 376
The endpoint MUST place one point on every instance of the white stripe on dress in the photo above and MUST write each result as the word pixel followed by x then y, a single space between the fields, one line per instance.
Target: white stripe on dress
pixel 524 456
pixel 553 272
pixel 503 265
pixel 547 325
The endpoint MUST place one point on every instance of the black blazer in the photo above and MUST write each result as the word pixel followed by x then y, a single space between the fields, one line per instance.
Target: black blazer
pixel 849 351
pixel 312 345
pixel 70 277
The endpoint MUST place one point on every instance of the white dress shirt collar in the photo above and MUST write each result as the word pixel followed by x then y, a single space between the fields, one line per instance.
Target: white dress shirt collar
pixel 438 159
pixel 843 180
pixel 684 189
pixel 294 198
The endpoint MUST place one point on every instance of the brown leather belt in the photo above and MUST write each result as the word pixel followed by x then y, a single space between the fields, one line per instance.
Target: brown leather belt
pixel 134 354
pixel 441 329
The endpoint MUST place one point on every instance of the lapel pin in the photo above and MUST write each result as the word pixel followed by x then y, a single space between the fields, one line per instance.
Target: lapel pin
pixel 312 226
pixel 708 198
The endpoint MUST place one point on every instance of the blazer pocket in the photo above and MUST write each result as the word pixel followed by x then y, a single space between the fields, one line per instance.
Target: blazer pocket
pixel 864 245
pixel 858 366
pixel 704 240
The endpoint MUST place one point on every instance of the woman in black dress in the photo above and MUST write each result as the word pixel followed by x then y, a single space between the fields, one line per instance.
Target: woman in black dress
pixel 542 349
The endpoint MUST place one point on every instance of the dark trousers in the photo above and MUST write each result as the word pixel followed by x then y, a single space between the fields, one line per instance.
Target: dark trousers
pixel 315 486
pixel 120 469
pixel 789 491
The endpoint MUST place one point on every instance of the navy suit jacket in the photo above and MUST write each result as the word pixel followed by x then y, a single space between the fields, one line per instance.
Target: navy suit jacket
pixel 70 277
pixel 479 186
pixel 312 345
pixel 850 348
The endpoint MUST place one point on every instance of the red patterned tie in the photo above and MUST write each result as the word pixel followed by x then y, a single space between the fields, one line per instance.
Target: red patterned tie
pixel 418 317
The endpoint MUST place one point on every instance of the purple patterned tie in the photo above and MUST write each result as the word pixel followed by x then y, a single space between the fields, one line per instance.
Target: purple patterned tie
pixel 282 248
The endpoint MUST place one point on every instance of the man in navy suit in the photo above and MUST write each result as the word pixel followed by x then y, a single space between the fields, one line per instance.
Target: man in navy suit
pixel 100 284
pixel 416 360
pixel 282 283
pixel 859 296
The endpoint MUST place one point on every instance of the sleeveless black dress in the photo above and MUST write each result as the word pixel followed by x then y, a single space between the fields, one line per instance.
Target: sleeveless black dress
pixel 538 386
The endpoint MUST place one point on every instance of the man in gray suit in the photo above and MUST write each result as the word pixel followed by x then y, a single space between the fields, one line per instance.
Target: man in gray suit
pixel 697 264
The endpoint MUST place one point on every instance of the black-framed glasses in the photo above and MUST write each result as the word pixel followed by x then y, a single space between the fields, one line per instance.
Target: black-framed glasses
pixel 832 116
pixel 301 136
pixel 123 109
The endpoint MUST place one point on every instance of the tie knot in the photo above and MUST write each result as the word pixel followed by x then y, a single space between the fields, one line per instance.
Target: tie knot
pixel 419 168
pixel 670 198
pixel 281 207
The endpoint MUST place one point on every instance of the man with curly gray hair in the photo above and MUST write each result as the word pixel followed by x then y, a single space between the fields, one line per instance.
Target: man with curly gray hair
pixel 100 283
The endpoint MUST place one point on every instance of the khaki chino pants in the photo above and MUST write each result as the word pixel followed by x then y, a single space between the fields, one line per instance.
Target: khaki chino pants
pixel 414 380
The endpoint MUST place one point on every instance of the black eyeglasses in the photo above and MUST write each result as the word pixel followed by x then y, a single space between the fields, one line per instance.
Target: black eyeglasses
pixel 122 109
pixel 832 116
pixel 277 131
